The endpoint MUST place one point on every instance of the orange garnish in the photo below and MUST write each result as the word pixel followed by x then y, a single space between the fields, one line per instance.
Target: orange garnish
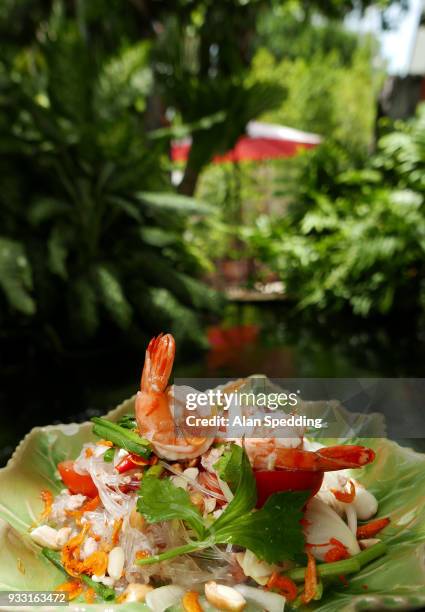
pixel 371 529
pixel 70 555
pixel 284 585
pixel 116 531
pixel 47 499
pixel 310 584
pixel 105 443
pixel 96 563
pixel 345 496
pixel 89 452
pixel 142 554
pixel 190 602
pixel 337 552
pixel 88 506
pixel 73 588
pixel 90 596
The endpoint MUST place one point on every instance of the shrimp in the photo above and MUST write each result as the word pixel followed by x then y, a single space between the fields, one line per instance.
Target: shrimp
pixel 154 405
pixel 269 453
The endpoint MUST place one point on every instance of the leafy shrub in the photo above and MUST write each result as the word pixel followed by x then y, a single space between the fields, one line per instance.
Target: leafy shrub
pixel 91 231
pixel 360 241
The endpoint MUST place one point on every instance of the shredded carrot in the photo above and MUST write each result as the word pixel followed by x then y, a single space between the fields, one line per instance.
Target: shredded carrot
pixel 96 563
pixel 337 552
pixel 105 443
pixel 371 529
pixel 47 499
pixel 284 585
pixel 116 531
pixel 70 555
pixel 345 496
pixel 90 596
pixel 89 506
pixel 310 584
pixel 190 602
pixel 89 453
pixel 142 554
pixel 73 588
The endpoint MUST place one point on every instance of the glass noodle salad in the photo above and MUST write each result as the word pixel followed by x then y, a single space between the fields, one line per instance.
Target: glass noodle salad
pixel 200 523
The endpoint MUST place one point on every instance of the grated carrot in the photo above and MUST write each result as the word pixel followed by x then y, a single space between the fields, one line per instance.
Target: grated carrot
pixel 371 529
pixel 89 506
pixel 105 443
pixel 74 588
pixel 310 584
pixel 190 602
pixel 284 585
pixel 96 563
pixel 116 531
pixel 338 552
pixel 142 554
pixel 47 499
pixel 90 596
pixel 345 496
pixel 89 453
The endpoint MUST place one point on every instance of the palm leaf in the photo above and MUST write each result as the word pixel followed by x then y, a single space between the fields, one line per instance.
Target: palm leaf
pixel 16 276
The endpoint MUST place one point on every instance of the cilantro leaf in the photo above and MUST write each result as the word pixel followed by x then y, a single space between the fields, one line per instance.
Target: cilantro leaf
pixel 273 533
pixel 228 467
pixel 159 500
pixel 245 496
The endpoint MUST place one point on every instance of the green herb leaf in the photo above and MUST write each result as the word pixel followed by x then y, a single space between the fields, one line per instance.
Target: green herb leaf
pixel 159 500
pixel 273 533
pixel 228 467
pixel 245 496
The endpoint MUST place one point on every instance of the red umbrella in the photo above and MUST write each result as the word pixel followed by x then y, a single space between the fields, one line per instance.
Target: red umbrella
pixel 261 141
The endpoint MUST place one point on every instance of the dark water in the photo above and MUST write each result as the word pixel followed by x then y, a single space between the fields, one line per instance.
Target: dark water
pixel 249 339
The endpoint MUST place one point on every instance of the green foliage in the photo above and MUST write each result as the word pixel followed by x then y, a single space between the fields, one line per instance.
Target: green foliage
pixel 93 232
pixel 326 94
pixel 360 243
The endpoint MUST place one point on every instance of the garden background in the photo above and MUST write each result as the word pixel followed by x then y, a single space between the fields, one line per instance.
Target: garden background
pixel 310 265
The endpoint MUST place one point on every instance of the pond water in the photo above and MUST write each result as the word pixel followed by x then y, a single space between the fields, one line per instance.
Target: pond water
pixel 249 339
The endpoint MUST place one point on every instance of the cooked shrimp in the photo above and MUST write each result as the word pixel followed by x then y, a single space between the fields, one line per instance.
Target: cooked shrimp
pixel 270 453
pixel 154 405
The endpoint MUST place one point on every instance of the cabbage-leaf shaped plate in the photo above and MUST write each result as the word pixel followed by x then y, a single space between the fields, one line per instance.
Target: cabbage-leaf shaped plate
pixel 397 478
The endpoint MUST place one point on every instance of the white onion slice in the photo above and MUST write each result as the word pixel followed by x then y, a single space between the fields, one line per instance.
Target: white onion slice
pixel 271 602
pixel 164 597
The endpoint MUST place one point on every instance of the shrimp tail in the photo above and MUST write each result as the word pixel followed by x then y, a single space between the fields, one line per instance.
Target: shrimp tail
pixel 159 361
pixel 345 457
pixel 326 459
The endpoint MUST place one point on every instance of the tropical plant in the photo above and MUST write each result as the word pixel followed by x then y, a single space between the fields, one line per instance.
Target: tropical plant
pixel 360 244
pixel 91 228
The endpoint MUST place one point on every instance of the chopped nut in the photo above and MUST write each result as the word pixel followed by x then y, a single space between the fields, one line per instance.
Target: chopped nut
pixel 224 597
pixel 135 592
pixel 198 500
pixel 136 520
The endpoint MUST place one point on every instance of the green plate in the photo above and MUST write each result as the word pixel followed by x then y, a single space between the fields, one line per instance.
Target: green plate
pixel 397 478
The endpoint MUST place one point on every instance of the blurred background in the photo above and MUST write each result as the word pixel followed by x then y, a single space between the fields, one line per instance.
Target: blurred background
pixel 247 174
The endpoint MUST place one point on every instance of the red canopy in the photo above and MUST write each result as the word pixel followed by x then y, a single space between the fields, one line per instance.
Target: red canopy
pixel 261 141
